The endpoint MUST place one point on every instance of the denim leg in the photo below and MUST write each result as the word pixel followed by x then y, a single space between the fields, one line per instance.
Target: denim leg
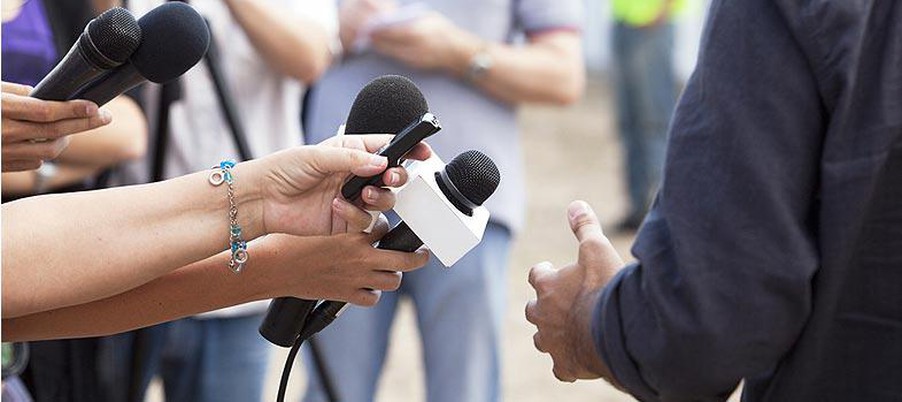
pixel 460 312
pixel 645 90
pixel 354 348
pixel 215 359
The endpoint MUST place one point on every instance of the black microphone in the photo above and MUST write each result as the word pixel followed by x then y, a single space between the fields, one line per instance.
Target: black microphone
pixel 106 43
pixel 175 39
pixel 387 104
pixel 467 181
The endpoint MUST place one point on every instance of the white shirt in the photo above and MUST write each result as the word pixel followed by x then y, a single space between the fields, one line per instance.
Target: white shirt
pixel 268 103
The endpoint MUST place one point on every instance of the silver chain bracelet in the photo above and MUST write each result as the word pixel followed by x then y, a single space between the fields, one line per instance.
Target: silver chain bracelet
pixel 223 174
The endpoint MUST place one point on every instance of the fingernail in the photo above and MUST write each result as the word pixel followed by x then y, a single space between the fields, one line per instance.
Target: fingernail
pixel 371 194
pixel 577 209
pixel 394 178
pixel 90 109
pixel 105 116
pixel 378 161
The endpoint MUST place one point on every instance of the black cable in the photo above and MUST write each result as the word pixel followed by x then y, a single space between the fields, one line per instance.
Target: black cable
pixel 286 371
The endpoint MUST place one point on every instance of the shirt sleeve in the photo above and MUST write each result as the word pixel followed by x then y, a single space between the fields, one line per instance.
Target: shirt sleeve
pixel 722 286
pixel 535 16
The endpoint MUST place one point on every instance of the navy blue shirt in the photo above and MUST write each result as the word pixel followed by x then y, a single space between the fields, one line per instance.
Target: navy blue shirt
pixel 774 250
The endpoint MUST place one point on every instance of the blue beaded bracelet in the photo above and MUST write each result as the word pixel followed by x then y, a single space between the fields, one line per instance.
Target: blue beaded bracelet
pixel 237 245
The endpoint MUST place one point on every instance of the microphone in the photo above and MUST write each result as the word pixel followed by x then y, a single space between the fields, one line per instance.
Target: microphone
pixel 106 43
pixel 465 183
pixel 388 104
pixel 175 39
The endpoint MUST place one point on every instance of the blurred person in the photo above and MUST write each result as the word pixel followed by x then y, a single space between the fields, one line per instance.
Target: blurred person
pixel 34 41
pixel 36 36
pixel 773 252
pixel 475 62
pixel 646 89
pixel 267 52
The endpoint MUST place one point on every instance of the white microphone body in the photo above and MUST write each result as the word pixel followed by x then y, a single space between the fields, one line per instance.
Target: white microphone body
pixel 442 227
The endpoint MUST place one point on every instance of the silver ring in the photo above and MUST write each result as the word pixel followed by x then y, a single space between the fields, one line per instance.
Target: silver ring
pixel 240 256
pixel 217 177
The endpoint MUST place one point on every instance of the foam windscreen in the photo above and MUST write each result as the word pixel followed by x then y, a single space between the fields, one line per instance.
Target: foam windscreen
pixel 386 106
pixel 176 37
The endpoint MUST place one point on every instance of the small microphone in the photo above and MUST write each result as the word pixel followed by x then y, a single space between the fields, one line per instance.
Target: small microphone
pixel 176 37
pixel 106 43
pixel 467 182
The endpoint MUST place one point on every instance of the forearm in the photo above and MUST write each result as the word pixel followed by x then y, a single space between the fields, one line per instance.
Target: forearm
pixel 125 138
pixel 67 249
pixel 23 183
pixel 548 70
pixel 202 286
pixel 291 44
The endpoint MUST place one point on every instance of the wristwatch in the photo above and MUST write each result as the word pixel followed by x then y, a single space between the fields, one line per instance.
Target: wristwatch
pixel 479 65
pixel 42 176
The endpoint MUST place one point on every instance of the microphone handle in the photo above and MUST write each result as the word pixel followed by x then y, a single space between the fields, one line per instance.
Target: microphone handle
pixel 67 77
pixel 111 85
pixel 400 238
pixel 285 319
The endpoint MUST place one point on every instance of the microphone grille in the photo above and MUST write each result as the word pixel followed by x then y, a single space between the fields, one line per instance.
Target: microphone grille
pixel 475 175
pixel 115 34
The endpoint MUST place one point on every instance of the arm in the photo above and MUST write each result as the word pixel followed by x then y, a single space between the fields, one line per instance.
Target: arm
pixel 548 69
pixel 726 258
pixel 727 255
pixel 124 139
pixel 92 151
pixel 291 44
pixel 67 249
pixel 342 267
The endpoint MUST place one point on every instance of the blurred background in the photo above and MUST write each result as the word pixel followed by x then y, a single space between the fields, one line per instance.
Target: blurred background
pixel 572 151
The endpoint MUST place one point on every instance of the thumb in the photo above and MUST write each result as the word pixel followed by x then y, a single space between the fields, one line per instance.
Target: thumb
pixel 327 160
pixel 595 250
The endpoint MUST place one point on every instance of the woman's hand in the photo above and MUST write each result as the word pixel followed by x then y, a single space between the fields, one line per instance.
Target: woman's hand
pixel 300 187
pixel 35 130
pixel 344 267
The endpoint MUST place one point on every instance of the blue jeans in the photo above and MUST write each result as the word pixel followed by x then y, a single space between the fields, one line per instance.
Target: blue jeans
pixel 646 95
pixel 459 314
pixel 199 360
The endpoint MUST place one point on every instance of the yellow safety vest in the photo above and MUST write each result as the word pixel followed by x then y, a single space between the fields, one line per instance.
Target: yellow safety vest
pixel 642 12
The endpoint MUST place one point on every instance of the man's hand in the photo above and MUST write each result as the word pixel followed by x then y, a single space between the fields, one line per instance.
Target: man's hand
pixel 430 42
pixel 566 300
pixel 35 130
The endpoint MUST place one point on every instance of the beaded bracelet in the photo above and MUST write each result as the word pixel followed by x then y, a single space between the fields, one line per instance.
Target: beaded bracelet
pixel 223 174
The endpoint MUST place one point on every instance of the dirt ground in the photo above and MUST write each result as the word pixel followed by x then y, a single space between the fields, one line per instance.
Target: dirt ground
pixel 571 153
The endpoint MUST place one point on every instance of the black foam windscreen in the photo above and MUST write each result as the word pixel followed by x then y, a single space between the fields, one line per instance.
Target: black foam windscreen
pixel 386 105
pixel 175 39
pixel 115 34
pixel 475 175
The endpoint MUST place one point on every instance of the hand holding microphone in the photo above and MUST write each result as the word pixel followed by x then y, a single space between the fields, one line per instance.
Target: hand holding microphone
pixel 36 130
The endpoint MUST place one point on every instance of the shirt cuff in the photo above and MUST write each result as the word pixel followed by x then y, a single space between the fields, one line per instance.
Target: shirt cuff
pixel 610 338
